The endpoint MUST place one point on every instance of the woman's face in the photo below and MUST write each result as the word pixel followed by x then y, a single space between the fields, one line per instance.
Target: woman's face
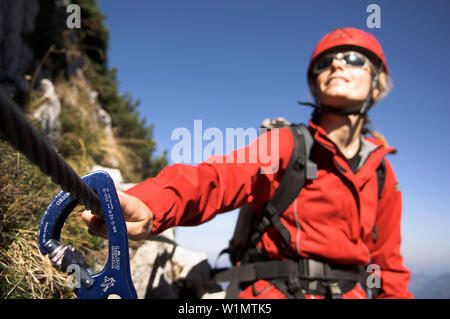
pixel 343 85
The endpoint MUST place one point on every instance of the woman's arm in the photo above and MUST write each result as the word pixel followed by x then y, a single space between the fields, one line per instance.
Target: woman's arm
pixel 188 195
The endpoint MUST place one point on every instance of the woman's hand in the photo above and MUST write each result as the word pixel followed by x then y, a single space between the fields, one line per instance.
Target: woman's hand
pixel 138 218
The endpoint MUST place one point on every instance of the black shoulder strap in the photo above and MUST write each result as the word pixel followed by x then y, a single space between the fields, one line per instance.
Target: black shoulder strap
pixel 381 176
pixel 299 169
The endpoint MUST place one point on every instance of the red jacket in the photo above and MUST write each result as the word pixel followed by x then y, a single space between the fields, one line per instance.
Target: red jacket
pixel 332 218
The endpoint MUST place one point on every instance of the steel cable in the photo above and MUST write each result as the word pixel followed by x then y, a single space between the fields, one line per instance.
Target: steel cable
pixel 18 131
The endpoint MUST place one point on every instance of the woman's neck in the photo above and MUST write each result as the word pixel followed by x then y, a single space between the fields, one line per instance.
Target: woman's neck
pixel 344 131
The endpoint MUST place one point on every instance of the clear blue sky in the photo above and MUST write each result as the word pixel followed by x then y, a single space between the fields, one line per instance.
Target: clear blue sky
pixel 233 63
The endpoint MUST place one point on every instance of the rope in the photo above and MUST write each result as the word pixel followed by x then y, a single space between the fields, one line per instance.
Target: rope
pixel 16 129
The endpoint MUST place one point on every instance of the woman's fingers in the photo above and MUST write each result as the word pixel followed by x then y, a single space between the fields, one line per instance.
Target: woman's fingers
pixel 96 226
pixel 138 219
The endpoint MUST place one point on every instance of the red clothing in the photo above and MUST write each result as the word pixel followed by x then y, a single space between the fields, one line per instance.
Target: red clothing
pixel 332 218
pixel 262 289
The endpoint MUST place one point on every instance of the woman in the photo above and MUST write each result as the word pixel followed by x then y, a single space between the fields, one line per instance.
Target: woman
pixel 331 222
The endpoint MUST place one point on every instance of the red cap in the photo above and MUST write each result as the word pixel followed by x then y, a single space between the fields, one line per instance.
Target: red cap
pixel 352 37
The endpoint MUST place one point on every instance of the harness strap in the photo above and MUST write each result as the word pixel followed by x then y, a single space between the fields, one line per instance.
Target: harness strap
pixel 308 269
pixel 381 178
pixel 334 290
pixel 299 169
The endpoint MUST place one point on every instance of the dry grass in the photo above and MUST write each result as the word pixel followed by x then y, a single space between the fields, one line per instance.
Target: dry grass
pixel 29 274
pixel 25 193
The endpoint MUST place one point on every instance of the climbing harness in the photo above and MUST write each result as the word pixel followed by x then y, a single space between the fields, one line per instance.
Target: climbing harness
pixel 96 191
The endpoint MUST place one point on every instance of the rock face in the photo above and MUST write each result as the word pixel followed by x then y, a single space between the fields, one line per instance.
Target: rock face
pixel 163 270
pixel 104 119
pixel 17 21
pixel 28 29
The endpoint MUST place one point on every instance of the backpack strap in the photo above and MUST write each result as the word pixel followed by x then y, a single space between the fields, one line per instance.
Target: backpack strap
pixel 299 169
pixel 381 178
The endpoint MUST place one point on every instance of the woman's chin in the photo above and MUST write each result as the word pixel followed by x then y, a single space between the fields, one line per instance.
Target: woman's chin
pixel 337 102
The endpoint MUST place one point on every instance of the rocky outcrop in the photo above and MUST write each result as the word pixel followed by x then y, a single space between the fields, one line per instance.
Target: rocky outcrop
pixel 17 21
pixel 104 119
pixel 30 30
pixel 164 270
pixel 48 113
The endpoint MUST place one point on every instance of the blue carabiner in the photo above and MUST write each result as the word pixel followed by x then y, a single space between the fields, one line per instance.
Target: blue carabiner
pixel 115 278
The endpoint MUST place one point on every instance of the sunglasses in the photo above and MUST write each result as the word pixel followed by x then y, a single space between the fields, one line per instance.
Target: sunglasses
pixel 349 59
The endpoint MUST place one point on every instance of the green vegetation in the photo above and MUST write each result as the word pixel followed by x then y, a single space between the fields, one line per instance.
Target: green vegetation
pixel 129 126
pixel 25 192
pixel 24 195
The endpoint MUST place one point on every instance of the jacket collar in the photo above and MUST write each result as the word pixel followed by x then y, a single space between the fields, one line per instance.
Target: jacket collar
pixel 371 147
pixel 369 144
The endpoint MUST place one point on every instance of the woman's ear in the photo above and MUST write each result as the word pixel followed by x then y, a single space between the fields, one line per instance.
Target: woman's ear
pixel 376 94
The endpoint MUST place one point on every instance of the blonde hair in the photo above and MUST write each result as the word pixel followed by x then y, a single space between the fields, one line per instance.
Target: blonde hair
pixel 384 84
